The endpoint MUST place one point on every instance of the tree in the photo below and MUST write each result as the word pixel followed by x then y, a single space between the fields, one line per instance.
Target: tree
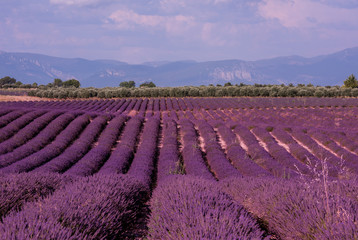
pixel 57 82
pixel 7 80
pixel 71 83
pixel 228 84
pixel 129 84
pixel 351 82
pixel 148 84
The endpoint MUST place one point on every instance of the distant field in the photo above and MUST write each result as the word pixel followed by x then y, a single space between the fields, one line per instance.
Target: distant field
pixel 179 168
pixel 7 98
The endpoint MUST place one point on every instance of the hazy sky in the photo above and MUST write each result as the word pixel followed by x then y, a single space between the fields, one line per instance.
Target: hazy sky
pixel 136 31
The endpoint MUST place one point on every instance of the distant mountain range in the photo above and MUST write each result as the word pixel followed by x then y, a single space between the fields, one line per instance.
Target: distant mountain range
pixel 323 70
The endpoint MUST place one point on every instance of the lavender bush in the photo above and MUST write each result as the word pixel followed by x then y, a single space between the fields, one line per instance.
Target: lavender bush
pixel 17 189
pixel 193 208
pixel 98 207
pixel 298 210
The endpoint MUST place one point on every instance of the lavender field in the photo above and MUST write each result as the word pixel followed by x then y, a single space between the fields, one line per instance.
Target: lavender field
pixel 179 168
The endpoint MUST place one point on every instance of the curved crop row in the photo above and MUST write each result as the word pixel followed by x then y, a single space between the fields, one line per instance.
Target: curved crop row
pixel 28 132
pixel 13 127
pixel 10 116
pixel 4 111
pixel 45 137
pixel 78 148
pixel 95 158
pixel 119 160
pixel 59 144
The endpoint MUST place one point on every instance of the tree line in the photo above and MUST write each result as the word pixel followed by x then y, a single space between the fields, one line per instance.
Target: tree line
pixel 10 82
pixel 71 89
pixel 256 90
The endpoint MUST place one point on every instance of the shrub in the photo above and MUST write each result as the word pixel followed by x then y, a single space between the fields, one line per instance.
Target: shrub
pixel 193 208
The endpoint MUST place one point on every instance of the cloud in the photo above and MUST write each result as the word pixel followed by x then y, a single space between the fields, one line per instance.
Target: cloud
pixel 128 19
pixel 198 6
pixel 222 1
pixel 75 2
pixel 307 13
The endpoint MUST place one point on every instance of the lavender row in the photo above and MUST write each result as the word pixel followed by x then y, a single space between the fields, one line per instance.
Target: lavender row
pixel 295 149
pixel 194 162
pixel 28 132
pixel 168 161
pixel 327 118
pixel 10 116
pixel 278 152
pixel 116 105
pixel 60 143
pixel 344 140
pixel 215 156
pixel 183 104
pixel 299 209
pixel 143 164
pixel 193 208
pixel 13 127
pixel 259 155
pixel 95 158
pixel 45 137
pixel 351 160
pixel 121 156
pixel 78 149
pixel 130 106
pixel 17 189
pixel 4 111
pixel 98 207
pixel 319 152
pixel 237 155
pixel 124 106
pixel 162 104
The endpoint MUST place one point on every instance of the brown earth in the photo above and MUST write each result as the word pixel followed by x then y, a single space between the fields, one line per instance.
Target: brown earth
pixel 5 98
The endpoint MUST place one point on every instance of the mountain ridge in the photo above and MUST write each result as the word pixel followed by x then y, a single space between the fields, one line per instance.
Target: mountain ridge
pixel 329 69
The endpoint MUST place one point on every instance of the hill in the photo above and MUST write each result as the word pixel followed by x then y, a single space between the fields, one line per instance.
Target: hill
pixel 322 70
